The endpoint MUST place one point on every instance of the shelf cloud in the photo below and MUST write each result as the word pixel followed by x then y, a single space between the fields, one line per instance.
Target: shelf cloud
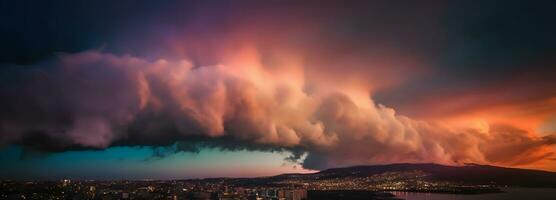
pixel 334 85
pixel 95 100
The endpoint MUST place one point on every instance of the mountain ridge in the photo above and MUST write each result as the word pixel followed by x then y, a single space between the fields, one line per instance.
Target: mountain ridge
pixel 470 173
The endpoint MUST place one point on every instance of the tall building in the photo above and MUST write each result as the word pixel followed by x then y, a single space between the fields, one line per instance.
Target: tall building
pixel 296 194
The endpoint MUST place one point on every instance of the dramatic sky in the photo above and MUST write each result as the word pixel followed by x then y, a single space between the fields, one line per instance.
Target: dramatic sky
pixel 190 89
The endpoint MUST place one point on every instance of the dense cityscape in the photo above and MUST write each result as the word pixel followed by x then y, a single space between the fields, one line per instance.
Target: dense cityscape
pixel 283 187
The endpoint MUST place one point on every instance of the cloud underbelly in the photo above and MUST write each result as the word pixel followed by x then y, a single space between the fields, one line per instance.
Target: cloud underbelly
pixel 94 100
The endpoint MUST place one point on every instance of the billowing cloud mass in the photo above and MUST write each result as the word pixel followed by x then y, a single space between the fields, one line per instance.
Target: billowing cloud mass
pixel 94 100
pixel 333 83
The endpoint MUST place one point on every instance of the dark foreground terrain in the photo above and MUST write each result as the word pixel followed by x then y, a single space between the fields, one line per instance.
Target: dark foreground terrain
pixel 360 182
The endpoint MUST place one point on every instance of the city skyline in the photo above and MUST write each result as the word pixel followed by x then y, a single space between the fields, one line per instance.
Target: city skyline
pixel 205 89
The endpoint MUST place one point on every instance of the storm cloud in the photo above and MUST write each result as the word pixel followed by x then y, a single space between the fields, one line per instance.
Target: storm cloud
pixel 338 84
pixel 95 100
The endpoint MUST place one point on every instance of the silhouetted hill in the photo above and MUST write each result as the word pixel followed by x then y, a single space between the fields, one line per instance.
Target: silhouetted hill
pixel 471 173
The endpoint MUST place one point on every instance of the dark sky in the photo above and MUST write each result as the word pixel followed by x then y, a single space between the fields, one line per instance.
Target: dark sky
pixel 333 83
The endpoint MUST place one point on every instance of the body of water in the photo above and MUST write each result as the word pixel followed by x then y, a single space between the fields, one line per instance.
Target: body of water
pixel 509 194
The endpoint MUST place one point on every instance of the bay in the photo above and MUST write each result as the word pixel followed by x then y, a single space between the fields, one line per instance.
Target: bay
pixel 508 194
